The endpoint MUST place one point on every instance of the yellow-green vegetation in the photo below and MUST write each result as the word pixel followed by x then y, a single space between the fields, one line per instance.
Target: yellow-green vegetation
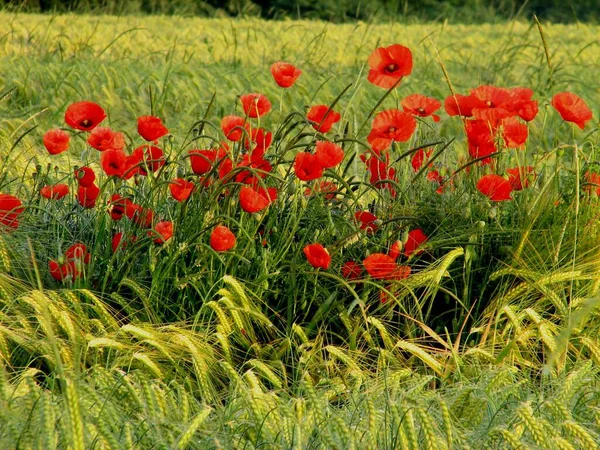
pixel 491 342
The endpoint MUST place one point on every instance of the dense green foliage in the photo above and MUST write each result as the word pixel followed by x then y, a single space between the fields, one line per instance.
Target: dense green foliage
pixel 470 11
pixel 492 342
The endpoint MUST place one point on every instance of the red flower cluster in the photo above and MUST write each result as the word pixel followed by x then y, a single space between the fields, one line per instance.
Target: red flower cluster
pixel 72 264
pixel 10 210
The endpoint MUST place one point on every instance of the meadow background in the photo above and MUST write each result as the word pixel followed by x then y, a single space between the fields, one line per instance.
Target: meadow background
pixel 203 359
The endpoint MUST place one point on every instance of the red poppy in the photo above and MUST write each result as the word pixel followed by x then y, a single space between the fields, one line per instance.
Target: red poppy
pixel 84 116
pixel 202 160
pixel 328 154
pixel 61 271
pixel 522 104
pixel 480 137
pixel 255 105
pixel 103 138
pixel 222 239
pixel 233 127
pixel 419 157
pixel 139 215
pixel 56 141
pixel 572 108
pixel 85 176
pixel 422 106
pixel 367 221
pixel 285 74
pixel 55 192
pixel 118 206
pixel 163 231
pixel 391 125
pixel 78 252
pixel 592 180
pixel 395 250
pixel 87 195
pixel 351 270
pixel 379 171
pixel 322 118
pixel 520 177
pixel 151 128
pixel 181 189
pixel 147 157
pixel 514 133
pixel 400 273
pixel 245 176
pixel 114 162
pixel 317 256
pixel 462 105
pixel 307 166
pixel 379 265
pixel 253 200
pixel 259 142
pixel 495 187
pixel 388 65
pixel 416 238
pixel 118 242
pixel 325 188
pixel 10 210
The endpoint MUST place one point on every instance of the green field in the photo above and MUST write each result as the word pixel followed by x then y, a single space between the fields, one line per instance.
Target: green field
pixel 492 342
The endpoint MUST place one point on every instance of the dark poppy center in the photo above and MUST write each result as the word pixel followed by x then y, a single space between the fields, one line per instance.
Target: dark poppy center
pixel 421 110
pixel 391 68
pixel 490 103
pixel 391 129
pixel 85 123
pixel 114 165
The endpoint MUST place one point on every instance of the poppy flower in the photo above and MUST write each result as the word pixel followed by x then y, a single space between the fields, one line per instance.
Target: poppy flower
pixel 202 160
pixel 592 180
pixel 164 230
pixel 307 166
pixel 84 116
pixel 520 177
pixel 181 189
pixel 379 265
pixel 322 118
pixel 103 138
pixel 572 108
pixel 118 206
pixel 422 106
pixel 259 141
pixel 400 273
pixel 285 74
pixel 245 176
pixel 55 192
pixel 325 188
pixel 139 215
pixel 233 127
pixel 118 242
pixel 147 157
pixel 379 170
pixel 351 270
pixel 391 125
pixel 480 137
pixel 416 238
pixel 495 187
pixel 419 157
pixel 255 105
pixel 317 256
pixel 253 200
pixel 222 239
pixel 85 176
pixel 367 221
pixel 151 128
pixel 10 210
pixel 78 252
pixel 514 133
pixel 395 250
pixel 328 154
pixel 113 162
pixel 388 65
pixel 87 195
pixel 61 271
pixel 56 141
pixel 462 105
